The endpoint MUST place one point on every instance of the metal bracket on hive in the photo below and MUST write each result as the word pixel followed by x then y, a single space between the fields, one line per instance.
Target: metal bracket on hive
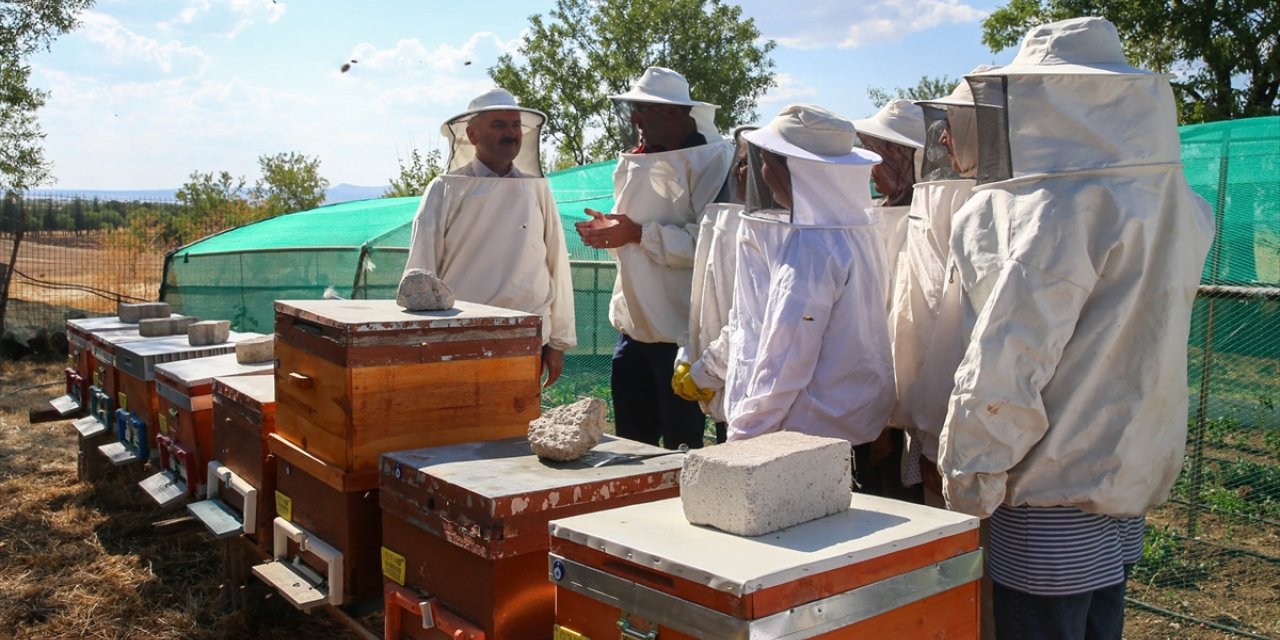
pixel 218 517
pixel 434 615
pixel 303 591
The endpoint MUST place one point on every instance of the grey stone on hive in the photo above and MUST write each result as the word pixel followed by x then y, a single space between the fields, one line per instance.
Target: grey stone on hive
pixel 260 349
pixel 771 482
pixel 569 431
pixel 133 312
pixel 208 332
pixel 421 290
pixel 154 327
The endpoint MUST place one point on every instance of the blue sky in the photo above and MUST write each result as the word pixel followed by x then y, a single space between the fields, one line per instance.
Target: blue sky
pixel 145 92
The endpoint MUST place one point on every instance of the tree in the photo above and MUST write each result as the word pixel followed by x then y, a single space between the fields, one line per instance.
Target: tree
pixel 26 26
pixel 207 193
pixel 289 182
pixel 928 88
pixel 210 203
pixel 1225 54
pixel 586 50
pixel 416 175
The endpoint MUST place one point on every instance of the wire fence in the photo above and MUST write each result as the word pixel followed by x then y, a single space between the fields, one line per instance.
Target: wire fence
pixel 1212 552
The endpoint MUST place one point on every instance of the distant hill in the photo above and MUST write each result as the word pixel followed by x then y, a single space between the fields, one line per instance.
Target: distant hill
pixel 337 193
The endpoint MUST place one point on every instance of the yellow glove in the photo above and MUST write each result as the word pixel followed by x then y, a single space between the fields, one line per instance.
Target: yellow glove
pixel 682 370
pixel 686 388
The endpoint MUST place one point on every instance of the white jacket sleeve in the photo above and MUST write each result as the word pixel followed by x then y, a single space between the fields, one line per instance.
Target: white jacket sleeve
pixel 670 245
pixel 996 412
pixel 426 243
pixel 801 297
pixel 710 368
pixel 563 333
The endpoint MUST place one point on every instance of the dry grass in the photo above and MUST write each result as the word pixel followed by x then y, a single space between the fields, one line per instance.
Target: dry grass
pixel 89 259
pixel 84 561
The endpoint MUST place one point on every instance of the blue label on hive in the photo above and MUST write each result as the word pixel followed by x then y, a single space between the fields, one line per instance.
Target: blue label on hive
pixel 557 570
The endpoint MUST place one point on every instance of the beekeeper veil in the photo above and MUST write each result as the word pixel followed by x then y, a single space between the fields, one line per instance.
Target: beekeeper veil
pixel 657 87
pixel 958 109
pixel 461 151
pixel 897 134
pixel 804 170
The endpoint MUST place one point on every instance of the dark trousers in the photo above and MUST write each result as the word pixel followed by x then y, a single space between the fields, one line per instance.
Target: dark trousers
pixel 1096 615
pixel 645 408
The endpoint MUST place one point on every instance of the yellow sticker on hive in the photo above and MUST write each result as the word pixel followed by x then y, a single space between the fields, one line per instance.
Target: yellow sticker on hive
pixel 71 361
pixel 393 566
pixel 561 633
pixel 124 400
pixel 97 379
pixel 164 424
pixel 284 506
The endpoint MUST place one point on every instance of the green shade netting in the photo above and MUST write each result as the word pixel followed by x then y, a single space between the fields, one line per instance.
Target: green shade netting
pixel 358 249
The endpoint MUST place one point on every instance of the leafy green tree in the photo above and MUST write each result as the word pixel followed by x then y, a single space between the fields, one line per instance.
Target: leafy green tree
pixel 1225 54
pixel 586 50
pixel 415 174
pixel 290 182
pixel 928 88
pixel 26 26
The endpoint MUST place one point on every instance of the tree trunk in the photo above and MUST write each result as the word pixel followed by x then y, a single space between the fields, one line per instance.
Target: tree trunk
pixel 6 272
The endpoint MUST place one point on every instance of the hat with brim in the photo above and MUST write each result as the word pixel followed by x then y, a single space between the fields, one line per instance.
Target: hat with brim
pixel 900 122
pixel 808 132
pixel 492 100
pixel 1079 46
pixel 961 95
pixel 661 86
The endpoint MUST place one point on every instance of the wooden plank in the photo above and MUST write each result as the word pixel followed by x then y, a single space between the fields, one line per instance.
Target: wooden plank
pixel 334 477
pixel 48 414
pixel 65 405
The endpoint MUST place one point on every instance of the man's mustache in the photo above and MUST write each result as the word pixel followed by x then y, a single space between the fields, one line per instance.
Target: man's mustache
pixel 508 140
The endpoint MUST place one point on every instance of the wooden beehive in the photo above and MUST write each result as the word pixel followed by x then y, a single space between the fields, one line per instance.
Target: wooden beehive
pixel 134 364
pixel 481 510
pixel 244 410
pixel 882 569
pixel 184 422
pixel 357 378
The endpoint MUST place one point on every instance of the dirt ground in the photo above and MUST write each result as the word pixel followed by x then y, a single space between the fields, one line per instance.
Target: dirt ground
pixel 85 561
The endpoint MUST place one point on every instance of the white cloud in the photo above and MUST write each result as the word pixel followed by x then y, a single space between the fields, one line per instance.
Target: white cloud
pixel 481 49
pixel 228 17
pixel 122 45
pixel 789 90
pixel 850 24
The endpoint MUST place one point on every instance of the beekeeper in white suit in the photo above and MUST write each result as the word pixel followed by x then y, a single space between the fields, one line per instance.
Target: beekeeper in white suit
pixel 489 227
pixel 1080 252
pixel 925 353
pixel 703 357
pixel 674 167
pixel 809 341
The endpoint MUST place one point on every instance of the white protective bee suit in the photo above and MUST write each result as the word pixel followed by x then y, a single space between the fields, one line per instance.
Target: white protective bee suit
pixel 809 345
pixel 928 340
pixel 497 240
pixel 899 122
pixel 1080 254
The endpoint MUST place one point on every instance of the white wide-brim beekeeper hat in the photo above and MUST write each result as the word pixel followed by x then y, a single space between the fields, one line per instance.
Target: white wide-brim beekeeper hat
pixel 461 151
pixel 809 132
pixel 900 122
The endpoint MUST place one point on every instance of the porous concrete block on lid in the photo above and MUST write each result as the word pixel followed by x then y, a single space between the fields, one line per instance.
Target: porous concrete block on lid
pixel 208 332
pixel 153 327
pixel 179 324
pixel 133 312
pixel 757 486
pixel 258 349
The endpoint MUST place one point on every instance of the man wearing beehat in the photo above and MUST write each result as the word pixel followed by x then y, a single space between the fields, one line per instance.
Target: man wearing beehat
pixel 809 340
pixel 1080 253
pixel 674 166
pixel 489 227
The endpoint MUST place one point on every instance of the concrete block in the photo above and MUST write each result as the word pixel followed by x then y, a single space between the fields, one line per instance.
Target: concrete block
pixel 421 290
pixel 260 349
pixel 568 431
pixel 757 486
pixel 155 327
pixel 180 324
pixel 208 332
pixel 133 312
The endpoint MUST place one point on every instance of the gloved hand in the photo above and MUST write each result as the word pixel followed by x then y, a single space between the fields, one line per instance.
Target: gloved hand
pixel 684 386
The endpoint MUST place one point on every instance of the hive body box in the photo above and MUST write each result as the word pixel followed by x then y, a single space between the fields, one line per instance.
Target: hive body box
pixel 359 378
pixel 244 415
pixel 481 510
pixel 136 417
pixel 103 381
pixel 184 422
pixel 80 360
pixel 883 569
